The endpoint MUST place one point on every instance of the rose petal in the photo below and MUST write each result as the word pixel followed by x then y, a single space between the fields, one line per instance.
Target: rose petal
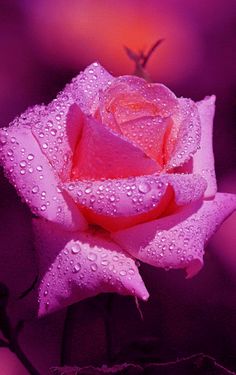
pixel 177 241
pixel 184 137
pixel 33 177
pixel 148 133
pixel 80 265
pixel 124 202
pixel 50 131
pixel 58 126
pixel 104 154
pixel 188 188
pixel 138 110
pixel 130 98
pixel 203 160
pixel 88 85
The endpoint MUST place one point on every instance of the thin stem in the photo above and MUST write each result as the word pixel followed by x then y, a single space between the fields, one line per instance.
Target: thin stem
pixel 63 340
pixel 108 326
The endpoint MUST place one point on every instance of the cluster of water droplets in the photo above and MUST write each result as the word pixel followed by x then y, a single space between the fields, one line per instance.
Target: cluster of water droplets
pixel 119 197
pixel 181 245
pixel 30 173
pixel 185 137
pixel 92 266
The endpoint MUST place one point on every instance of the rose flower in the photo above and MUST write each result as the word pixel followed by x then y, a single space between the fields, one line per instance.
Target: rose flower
pixel 115 169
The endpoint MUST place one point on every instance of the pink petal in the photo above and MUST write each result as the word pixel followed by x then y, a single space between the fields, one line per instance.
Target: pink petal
pixel 33 177
pixel 184 138
pixel 130 98
pixel 188 188
pixel 87 87
pixel 117 203
pixel 177 241
pixel 138 110
pixel 56 131
pixel 148 134
pixel 77 265
pixel 104 154
pixel 58 126
pixel 203 160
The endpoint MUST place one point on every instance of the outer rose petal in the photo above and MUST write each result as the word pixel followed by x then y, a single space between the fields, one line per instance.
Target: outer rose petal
pixel 57 131
pixel 184 138
pixel 80 265
pixel 124 202
pixel 104 154
pixel 177 241
pixel 57 127
pixel 203 160
pixel 88 85
pixel 33 177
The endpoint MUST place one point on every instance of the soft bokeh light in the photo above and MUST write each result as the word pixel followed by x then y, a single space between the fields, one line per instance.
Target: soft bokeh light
pixel 43 44
pixel 98 30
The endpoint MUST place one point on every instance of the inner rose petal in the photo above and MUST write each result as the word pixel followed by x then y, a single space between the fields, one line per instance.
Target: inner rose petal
pixel 102 153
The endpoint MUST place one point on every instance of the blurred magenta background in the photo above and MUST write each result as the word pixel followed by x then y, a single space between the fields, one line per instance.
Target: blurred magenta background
pixel 44 43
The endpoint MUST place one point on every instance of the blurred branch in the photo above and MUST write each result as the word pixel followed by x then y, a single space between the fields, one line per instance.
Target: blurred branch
pixel 141 59
pixel 28 290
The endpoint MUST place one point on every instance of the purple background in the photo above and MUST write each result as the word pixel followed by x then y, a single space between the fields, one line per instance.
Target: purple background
pixel 42 47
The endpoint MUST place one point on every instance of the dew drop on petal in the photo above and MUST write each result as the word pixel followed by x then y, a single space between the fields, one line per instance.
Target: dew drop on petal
pixel 75 249
pixel 35 189
pixel 77 268
pixel 144 187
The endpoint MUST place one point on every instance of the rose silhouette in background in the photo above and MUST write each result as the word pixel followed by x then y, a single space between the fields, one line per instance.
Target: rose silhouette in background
pixel 115 169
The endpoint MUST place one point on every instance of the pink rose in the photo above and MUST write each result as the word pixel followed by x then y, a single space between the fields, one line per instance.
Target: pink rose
pixel 116 169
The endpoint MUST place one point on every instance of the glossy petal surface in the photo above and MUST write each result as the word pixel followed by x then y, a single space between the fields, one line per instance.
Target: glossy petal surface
pixel 129 199
pixel 58 126
pixel 184 134
pixel 177 241
pixel 34 178
pixel 80 265
pixel 203 160
pixel 103 154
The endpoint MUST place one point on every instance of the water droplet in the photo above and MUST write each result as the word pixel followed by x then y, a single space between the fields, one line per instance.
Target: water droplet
pixel 35 189
pixel 92 256
pixel 94 267
pixel 144 187
pixel 43 207
pixel 104 262
pixel 30 157
pixel 9 152
pixel 122 272
pixel 77 268
pixel 131 271
pixel 53 131
pixel 88 190
pixel 23 163
pixel 3 139
pixel 75 249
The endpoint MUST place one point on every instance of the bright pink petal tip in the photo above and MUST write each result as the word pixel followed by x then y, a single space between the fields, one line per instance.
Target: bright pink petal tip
pixel 177 241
